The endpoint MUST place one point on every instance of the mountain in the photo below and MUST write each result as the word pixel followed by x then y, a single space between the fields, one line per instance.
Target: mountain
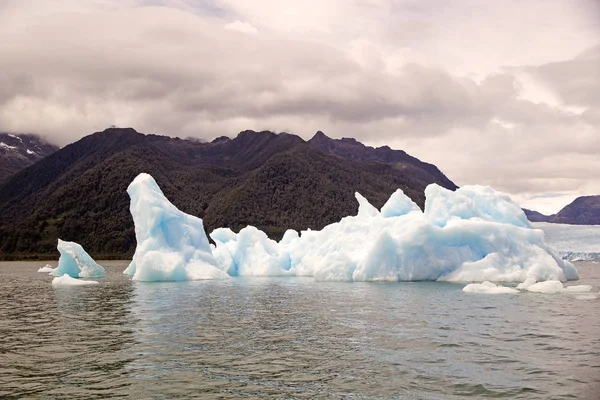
pixel 272 181
pixel 352 149
pixel 20 151
pixel 535 216
pixel 583 210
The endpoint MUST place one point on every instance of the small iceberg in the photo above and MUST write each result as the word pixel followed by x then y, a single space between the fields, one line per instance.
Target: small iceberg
pixel 75 262
pixel 66 280
pixel 47 268
pixel 488 288
pixel 577 289
pixel 553 286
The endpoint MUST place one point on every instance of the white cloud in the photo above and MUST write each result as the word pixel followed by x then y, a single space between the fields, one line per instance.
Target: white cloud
pixel 240 26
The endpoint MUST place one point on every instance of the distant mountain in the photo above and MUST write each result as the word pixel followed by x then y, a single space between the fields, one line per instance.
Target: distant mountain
pixel 352 149
pixel 272 181
pixel 18 151
pixel 535 216
pixel 583 210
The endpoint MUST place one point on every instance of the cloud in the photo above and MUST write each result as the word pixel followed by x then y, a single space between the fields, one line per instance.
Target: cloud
pixel 575 81
pixel 372 71
pixel 240 26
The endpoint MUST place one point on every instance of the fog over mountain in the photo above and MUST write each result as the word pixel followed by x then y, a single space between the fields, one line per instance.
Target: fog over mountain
pixel 505 94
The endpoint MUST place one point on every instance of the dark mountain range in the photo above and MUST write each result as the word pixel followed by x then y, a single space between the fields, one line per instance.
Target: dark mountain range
pixel 352 149
pixel 271 181
pixel 17 152
pixel 583 210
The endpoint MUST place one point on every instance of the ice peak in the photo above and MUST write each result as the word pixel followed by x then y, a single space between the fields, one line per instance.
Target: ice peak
pixel 365 209
pixel 398 204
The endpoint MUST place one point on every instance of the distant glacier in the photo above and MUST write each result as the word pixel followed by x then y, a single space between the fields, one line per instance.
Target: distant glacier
pixel 573 242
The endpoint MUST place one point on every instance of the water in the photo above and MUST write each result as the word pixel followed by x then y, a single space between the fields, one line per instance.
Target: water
pixel 286 338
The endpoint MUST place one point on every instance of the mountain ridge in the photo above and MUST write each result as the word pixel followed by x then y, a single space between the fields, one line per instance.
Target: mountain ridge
pixel 584 210
pixel 18 151
pixel 350 148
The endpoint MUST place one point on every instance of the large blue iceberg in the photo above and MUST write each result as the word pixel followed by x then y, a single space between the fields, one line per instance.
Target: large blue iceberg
pixel 474 234
pixel 76 263
pixel 171 245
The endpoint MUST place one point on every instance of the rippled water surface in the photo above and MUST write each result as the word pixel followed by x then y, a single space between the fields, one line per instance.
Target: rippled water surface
pixel 292 338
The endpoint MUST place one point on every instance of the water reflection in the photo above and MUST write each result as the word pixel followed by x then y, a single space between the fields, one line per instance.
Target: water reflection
pixel 243 338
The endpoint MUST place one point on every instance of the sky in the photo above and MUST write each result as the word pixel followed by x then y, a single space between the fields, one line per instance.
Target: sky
pixel 498 93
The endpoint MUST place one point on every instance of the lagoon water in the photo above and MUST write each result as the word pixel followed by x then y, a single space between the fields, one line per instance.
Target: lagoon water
pixel 286 338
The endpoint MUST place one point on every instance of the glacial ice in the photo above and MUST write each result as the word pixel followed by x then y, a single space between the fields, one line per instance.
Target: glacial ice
pixel 398 204
pixel 46 268
pixel 546 287
pixel 573 242
pixel 76 263
pixel 171 245
pixel 66 280
pixel 526 283
pixel 577 289
pixel 553 286
pixel 474 234
pixel 488 288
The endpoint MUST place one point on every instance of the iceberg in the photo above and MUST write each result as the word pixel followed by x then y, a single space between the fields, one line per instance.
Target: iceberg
pixel 75 262
pixel 66 280
pixel 553 286
pixel 576 289
pixel 546 287
pixel 473 234
pixel 47 268
pixel 526 283
pixel 488 288
pixel 171 245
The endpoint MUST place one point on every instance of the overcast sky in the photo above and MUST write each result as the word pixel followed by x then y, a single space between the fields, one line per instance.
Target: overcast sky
pixel 499 93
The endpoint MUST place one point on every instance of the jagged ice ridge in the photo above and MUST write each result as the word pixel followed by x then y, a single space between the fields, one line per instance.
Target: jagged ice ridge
pixel 474 234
